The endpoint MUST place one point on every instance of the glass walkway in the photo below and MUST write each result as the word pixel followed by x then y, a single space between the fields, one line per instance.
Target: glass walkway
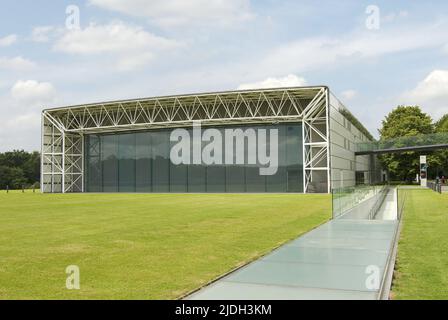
pixel 423 142
pixel 349 257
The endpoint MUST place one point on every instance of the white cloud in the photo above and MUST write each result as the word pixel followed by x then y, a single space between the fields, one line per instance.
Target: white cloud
pixel 16 63
pixel 23 121
pixel 348 94
pixel 445 48
pixel 20 127
pixel 42 34
pixel 33 92
pixel 20 110
pixel 395 16
pixel 20 132
pixel 170 13
pixel 132 46
pixel 431 94
pixel 288 81
pixel 320 52
pixel 8 40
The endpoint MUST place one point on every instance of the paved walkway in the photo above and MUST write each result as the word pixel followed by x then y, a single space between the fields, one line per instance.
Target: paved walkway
pixel 329 262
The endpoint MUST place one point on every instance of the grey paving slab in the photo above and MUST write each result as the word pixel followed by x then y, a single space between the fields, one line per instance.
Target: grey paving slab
pixel 331 233
pixel 341 243
pixel 357 225
pixel 323 276
pixel 330 256
pixel 358 222
pixel 246 291
pixel 363 228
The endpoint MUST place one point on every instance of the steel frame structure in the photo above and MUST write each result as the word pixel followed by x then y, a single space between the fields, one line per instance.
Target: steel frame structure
pixel 63 129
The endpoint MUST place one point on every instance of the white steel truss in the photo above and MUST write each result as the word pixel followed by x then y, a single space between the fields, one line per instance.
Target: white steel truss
pixel 63 128
pixel 62 164
pixel 316 158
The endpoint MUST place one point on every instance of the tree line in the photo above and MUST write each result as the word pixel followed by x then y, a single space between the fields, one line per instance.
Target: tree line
pixel 409 121
pixel 19 169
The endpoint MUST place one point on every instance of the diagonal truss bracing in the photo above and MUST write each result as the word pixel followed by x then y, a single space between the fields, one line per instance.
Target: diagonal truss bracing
pixel 62 164
pixel 64 128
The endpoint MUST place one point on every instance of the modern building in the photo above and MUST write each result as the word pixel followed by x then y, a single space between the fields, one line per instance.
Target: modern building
pixel 124 146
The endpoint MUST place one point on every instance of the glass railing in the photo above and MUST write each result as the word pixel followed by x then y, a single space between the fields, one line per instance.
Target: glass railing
pixel 345 199
pixel 378 202
pixel 403 142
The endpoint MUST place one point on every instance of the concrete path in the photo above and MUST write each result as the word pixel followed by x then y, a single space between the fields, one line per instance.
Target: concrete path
pixel 330 262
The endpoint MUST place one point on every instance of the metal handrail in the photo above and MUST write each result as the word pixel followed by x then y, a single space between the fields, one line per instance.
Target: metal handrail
pixel 437 187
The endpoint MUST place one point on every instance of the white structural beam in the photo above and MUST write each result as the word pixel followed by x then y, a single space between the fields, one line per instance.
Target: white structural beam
pixel 213 108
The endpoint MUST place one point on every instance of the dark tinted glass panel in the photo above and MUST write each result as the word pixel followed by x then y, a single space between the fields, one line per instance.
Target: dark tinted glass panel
pixel 139 162
pixel 294 156
pixel 196 178
pixel 160 161
pixel 235 178
pixel 216 179
pixel 143 162
pixel 178 174
pixel 278 181
pixel 178 178
pixel 126 167
pixel 254 180
pixel 109 163
pixel 93 172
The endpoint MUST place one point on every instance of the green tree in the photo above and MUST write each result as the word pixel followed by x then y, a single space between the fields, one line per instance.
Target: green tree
pixel 31 167
pixel 14 158
pixel 11 177
pixel 441 126
pixel 19 168
pixel 404 121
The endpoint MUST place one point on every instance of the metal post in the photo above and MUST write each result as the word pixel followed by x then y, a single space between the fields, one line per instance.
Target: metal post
pixel 303 156
pixel 63 162
pixel 82 162
pixel 327 112
pixel 42 148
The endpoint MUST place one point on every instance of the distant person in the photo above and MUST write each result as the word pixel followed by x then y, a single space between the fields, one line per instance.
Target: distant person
pixel 443 179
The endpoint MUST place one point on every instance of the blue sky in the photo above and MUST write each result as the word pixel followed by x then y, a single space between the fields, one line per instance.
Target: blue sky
pixel 140 48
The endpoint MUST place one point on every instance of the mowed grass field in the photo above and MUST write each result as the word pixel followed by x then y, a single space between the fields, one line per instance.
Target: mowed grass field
pixel 140 246
pixel 422 265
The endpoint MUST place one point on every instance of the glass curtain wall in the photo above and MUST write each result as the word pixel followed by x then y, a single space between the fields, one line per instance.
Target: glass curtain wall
pixel 140 162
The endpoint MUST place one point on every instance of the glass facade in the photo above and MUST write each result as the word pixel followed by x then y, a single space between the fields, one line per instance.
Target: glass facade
pixel 140 162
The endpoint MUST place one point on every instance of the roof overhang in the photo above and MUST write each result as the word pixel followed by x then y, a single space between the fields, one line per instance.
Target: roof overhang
pixel 229 107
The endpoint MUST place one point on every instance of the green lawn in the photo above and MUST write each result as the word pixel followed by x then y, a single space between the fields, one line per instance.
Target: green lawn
pixel 422 266
pixel 140 246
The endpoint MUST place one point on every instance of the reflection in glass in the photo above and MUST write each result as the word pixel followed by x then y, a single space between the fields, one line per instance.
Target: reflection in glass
pixel 139 162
